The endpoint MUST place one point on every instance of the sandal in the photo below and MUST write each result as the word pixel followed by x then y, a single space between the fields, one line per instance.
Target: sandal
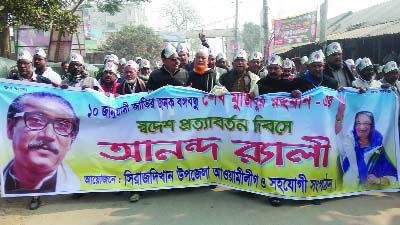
pixel 276 202
pixel 35 203
pixel 134 197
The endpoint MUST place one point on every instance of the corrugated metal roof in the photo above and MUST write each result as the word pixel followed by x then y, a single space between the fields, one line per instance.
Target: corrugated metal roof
pixel 370 31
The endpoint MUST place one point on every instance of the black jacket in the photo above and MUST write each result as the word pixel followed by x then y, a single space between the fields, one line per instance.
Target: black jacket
pixel 161 77
pixel 301 83
pixel 204 82
pixel 349 76
pixel 124 88
pixel 268 85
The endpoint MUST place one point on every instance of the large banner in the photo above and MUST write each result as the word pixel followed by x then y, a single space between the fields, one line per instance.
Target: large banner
pixel 325 144
pixel 298 29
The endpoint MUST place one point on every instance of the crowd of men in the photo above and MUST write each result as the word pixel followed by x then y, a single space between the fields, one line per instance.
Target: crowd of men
pixel 210 72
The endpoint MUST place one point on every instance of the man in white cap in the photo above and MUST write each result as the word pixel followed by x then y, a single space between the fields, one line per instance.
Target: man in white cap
pixel 255 64
pixel 132 83
pixel 379 72
pixel 138 60
pixel 366 73
pixel 183 54
pixel 40 63
pixel 25 70
pixel 212 60
pixel 391 77
pixel 335 67
pixel 287 69
pixel 169 73
pixel 109 78
pixel 222 62
pixel 77 76
pixel 352 66
pixel 239 79
pixel 303 65
pixel 145 70
pixel 314 77
pixel 273 81
pixel 202 77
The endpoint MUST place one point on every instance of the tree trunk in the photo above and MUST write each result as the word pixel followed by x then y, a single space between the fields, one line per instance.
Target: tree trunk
pixel 5 50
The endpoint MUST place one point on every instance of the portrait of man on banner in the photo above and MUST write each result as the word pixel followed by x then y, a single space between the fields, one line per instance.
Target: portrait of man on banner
pixel 41 127
pixel 363 157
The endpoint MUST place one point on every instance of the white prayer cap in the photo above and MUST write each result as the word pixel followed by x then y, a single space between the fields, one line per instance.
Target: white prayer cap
pixel 169 50
pixel 317 56
pixel 365 62
pixel 132 64
pixel 304 60
pixel 220 56
pixel 211 52
pixel 255 56
pixel 24 55
pixel 113 58
pixel 75 57
pixel 182 48
pixel 204 50
pixel 287 64
pixel 122 61
pixel 40 52
pixel 332 48
pixel 357 61
pixel 240 54
pixel 275 60
pixel 144 64
pixel 110 66
pixel 390 66
pixel 349 62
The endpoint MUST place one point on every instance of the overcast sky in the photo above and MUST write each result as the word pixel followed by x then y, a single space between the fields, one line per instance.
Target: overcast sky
pixel 216 13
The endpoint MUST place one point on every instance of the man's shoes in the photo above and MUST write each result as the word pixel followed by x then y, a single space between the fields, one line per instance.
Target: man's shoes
pixel 35 203
pixel 276 202
pixel 134 197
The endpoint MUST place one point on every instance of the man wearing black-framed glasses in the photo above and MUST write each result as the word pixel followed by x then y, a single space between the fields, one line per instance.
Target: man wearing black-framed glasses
pixel 41 127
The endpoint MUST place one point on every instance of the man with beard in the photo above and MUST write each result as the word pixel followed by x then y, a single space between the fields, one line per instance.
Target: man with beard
pixel 314 77
pixel 24 70
pixel 77 76
pixel 64 69
pixel 212 64
pixel 109 78
pixel 132 82
pixel 239 79
pixel 287 69
pixel 183 54
pixel 40 63
pixel 41 126
pixel 169 73
pixel 390 77
pixel 335 67
pixel 366 72
pixel 255 64
pixel 273 82
pixel 202 77
pixel 221 61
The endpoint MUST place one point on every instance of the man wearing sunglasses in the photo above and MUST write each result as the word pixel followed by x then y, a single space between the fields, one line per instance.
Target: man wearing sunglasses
pixel 169 73
pixel 41 127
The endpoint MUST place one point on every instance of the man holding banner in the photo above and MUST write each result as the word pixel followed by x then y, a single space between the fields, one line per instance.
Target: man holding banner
pixel 41 127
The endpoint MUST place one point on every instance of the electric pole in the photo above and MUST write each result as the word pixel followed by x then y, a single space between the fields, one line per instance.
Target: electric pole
pixel 265 27
pixel 236 23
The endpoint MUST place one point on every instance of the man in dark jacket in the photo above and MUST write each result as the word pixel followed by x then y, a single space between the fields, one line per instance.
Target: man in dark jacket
pixel 335 67
pixel 169 73
pixel 273 81
pixel 132 82
pixel 202 77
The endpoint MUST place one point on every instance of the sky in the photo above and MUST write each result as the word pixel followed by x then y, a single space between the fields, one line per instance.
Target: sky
pixel 220 13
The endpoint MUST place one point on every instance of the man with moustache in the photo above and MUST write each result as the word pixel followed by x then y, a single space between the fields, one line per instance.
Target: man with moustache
pixel 335 66
pixel 41 127
pixel 169 73
pixel 202 77
pixel 109 78
pixel 40 63
pixel 239 79
pixel 256 65
pixel 132 82
pixel 366 72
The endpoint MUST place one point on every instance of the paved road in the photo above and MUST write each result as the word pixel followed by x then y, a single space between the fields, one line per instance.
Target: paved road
pixel 206 206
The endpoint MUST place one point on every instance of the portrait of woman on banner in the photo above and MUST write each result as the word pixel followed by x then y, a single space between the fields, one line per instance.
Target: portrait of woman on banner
pixel 363 157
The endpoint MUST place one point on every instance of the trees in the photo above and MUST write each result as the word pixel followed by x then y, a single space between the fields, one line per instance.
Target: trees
pixel 180 14
pixel 46 15
pixel 134 41
pixel 251 37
